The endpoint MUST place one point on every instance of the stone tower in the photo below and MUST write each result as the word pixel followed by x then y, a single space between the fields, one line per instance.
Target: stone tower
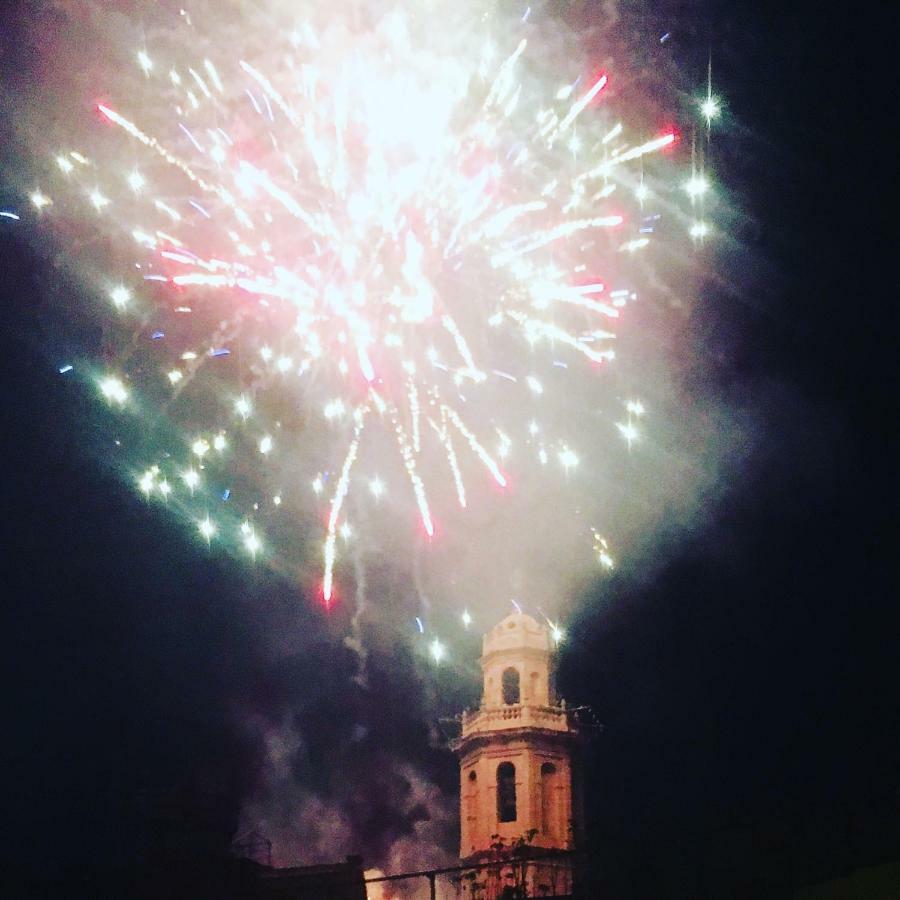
pixel 515 750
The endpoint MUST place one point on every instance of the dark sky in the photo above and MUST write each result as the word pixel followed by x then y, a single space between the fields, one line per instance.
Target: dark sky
pixel 747 685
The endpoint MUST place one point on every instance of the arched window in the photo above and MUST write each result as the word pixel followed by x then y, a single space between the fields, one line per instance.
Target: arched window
pixel 548 797
pixel 511 686
pixel 506 792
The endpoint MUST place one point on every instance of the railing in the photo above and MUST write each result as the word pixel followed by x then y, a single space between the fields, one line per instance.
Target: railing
pixel 552 875
pixel 518 715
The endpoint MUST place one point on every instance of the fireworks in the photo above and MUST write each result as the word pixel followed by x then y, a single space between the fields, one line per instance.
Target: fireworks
pixel 382 230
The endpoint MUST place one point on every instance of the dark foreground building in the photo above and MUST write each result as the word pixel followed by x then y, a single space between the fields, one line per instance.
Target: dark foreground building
pixel 221 878
pixel 341 881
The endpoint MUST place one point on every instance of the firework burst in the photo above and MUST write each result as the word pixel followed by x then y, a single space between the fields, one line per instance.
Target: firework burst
pixel 343 238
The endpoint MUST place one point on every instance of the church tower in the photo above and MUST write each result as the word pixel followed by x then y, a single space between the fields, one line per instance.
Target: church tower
pixel 515 750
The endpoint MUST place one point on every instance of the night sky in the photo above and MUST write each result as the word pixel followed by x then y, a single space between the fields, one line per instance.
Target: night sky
pixel 747 684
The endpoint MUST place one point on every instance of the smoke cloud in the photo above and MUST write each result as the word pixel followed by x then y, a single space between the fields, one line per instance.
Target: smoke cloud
pixel 350 765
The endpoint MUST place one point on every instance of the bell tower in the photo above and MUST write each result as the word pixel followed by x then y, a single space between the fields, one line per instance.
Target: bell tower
pixel 515 750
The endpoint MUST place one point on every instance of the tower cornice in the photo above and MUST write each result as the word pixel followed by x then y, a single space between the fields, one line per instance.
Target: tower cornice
pixel 463 746
pixel 518 652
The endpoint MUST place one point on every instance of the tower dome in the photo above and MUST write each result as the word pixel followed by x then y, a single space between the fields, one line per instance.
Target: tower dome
pixel 515 660
pixel 516 631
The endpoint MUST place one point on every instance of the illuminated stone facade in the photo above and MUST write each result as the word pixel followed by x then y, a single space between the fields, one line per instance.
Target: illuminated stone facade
pixel 515 750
